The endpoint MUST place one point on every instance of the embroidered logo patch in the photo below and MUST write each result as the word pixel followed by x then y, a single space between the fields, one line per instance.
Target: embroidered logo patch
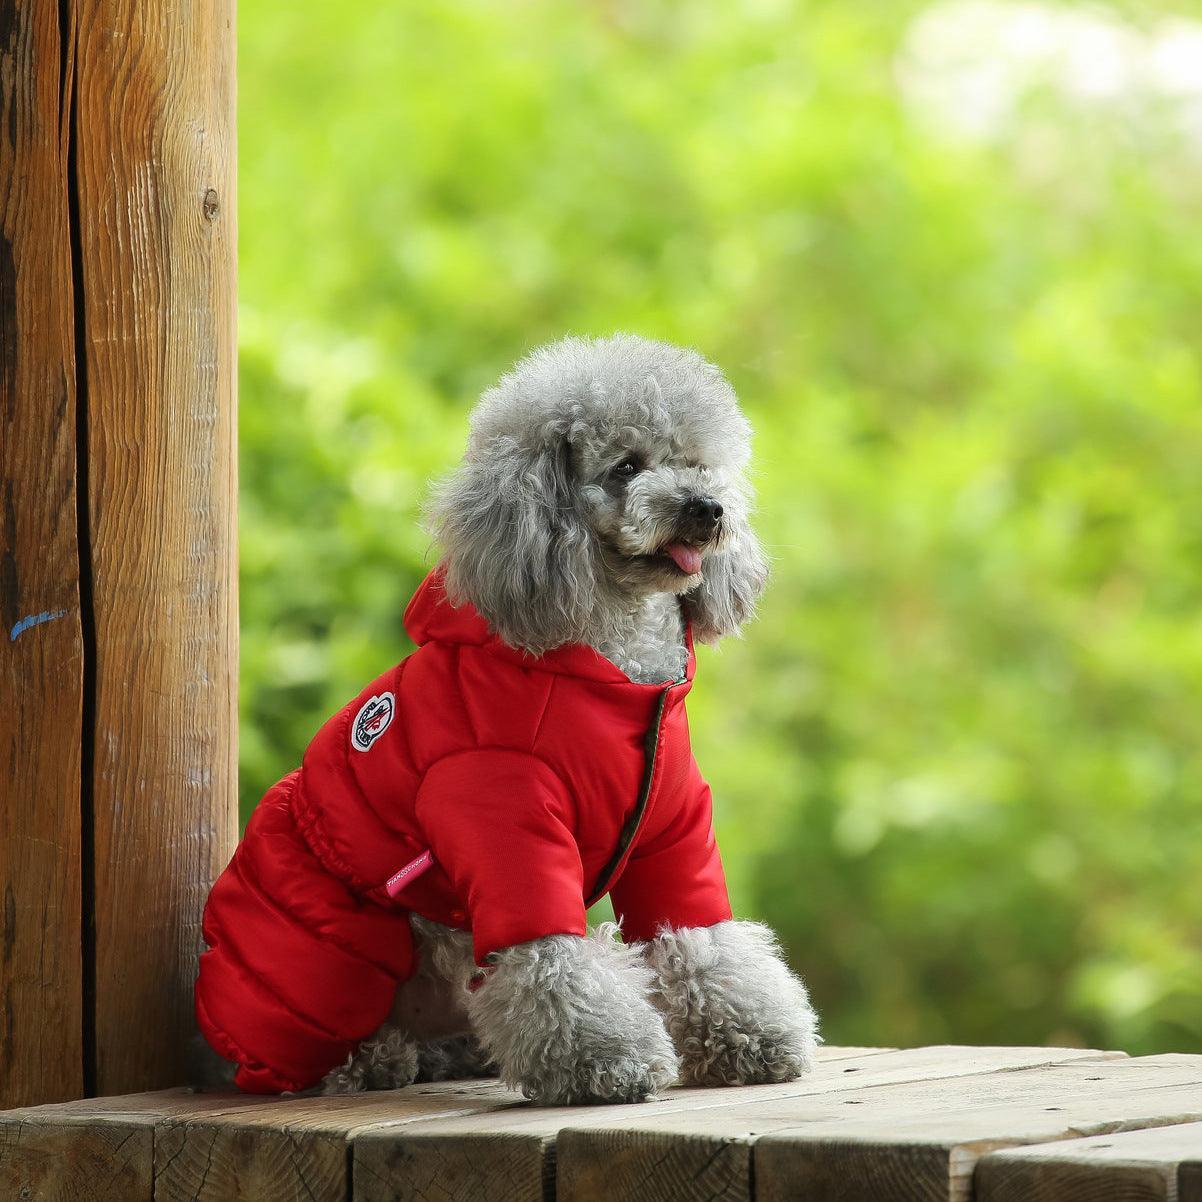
pixel 372 721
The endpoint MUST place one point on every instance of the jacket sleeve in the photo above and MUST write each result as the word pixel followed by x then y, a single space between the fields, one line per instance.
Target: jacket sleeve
pixel 676 879
pixel 501 826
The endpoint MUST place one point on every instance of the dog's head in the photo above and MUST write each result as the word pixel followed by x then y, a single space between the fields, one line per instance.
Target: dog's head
pixel 599 471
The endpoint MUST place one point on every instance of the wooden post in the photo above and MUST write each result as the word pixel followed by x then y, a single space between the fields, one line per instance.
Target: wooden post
pixel 117 560
pixel 41 642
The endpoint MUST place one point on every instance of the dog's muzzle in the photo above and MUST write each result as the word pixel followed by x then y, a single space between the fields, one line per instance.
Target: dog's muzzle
pixel 700 518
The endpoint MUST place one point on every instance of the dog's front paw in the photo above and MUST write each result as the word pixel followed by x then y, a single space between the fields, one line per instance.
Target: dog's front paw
pixel 736 1014
pixel 753 1052
pixel 569 1021
pixel 581 1080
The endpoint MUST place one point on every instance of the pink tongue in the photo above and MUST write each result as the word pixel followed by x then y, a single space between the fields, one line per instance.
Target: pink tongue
pixel 687 559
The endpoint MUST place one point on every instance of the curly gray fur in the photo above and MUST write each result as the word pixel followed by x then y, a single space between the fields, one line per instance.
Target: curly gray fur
pixel 546 538
pixel 453 1059
pixel 569 1020
pixel 444 954
pixel 446 968
pixel 651 647
pixel 386 1061
pixel 736 1014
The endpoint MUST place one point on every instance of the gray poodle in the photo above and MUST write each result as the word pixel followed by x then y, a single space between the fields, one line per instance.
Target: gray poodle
pixel 602 502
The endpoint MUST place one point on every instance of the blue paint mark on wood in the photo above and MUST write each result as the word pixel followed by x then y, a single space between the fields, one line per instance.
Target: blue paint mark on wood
pixel 33 620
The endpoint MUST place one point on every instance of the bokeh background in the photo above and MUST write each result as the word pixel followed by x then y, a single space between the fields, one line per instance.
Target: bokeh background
pixel 950 256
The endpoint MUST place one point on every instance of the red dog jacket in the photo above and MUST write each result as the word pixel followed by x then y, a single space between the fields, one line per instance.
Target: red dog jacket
pixel 510 792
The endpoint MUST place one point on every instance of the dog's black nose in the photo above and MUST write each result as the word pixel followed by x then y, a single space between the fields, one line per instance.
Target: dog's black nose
pixel 705 511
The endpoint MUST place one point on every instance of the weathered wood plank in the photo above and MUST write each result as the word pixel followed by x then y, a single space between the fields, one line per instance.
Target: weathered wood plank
pixel 154 1104
pixel 506 1153
pixel 502 1167
pixel 80 1162
pixel 300 1148
pixel 215 1146
pixel 95 1150
pixel 41 652
pixel 157 244
pixel 897 1124
pixel 680 1169
pixel 1129 1165
pixel 212 1162
pixel 297 1149
pixel 904 1140
pixel 389 1163
pixel 220 1147
pixel 180 1145
pixel 875 1154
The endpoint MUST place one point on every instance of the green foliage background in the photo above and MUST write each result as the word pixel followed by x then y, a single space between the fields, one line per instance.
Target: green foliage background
pixel 957 761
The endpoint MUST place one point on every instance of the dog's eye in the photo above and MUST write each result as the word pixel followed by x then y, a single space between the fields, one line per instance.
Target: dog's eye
pixel 629 466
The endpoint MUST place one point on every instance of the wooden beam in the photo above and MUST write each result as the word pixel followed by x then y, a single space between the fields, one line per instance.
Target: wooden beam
pixel 157 238
pixel 174 1145
pixel 525 1140
pixel 97 1149
pixel 1157 1163
pixel 41 643
pixel 916 1140
pixel 296 1149
pixel 914 1124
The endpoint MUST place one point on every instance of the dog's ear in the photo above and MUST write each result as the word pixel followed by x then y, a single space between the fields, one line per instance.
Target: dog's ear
pixel 732 580
pixel 514 545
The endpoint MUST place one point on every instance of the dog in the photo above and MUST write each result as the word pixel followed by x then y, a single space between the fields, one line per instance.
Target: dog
pixel 413 899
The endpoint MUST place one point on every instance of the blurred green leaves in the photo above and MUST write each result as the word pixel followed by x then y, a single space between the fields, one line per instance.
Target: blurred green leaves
pixel 958 761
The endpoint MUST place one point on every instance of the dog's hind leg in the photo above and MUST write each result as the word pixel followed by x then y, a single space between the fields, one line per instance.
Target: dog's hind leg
pixel 388 1060
pixel 453 1058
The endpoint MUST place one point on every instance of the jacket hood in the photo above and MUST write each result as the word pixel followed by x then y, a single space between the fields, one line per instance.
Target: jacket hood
pixel 431 618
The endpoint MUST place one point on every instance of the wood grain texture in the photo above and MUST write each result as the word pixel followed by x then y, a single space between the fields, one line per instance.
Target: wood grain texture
pixel 848 1170
pixel 220 1147
pixel 155 155
pixel 1129 1165
pixel 510 1152
pixel 907 1139
pixel 244 1166
pixel 392 1165
pixel 948 1126
pixel 1064 1183
pixel 41 661
pixel 95 1150
pixel 294 1149
pixel 904 1124
pixel 525 1137
pixel 652 1168
pixel 77 1162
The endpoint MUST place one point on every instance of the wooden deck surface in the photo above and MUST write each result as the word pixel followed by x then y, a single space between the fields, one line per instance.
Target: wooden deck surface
pixel 869 1123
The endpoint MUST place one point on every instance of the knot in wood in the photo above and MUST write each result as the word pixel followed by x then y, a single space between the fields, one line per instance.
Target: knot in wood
pixel 211 204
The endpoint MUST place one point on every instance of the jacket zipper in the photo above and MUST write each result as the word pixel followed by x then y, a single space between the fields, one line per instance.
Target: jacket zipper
pixel 630 828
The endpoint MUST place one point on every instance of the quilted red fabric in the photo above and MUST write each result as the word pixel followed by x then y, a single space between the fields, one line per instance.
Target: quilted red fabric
pixel 537 785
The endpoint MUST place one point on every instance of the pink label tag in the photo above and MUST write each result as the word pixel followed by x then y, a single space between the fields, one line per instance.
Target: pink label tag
pixel 410 872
